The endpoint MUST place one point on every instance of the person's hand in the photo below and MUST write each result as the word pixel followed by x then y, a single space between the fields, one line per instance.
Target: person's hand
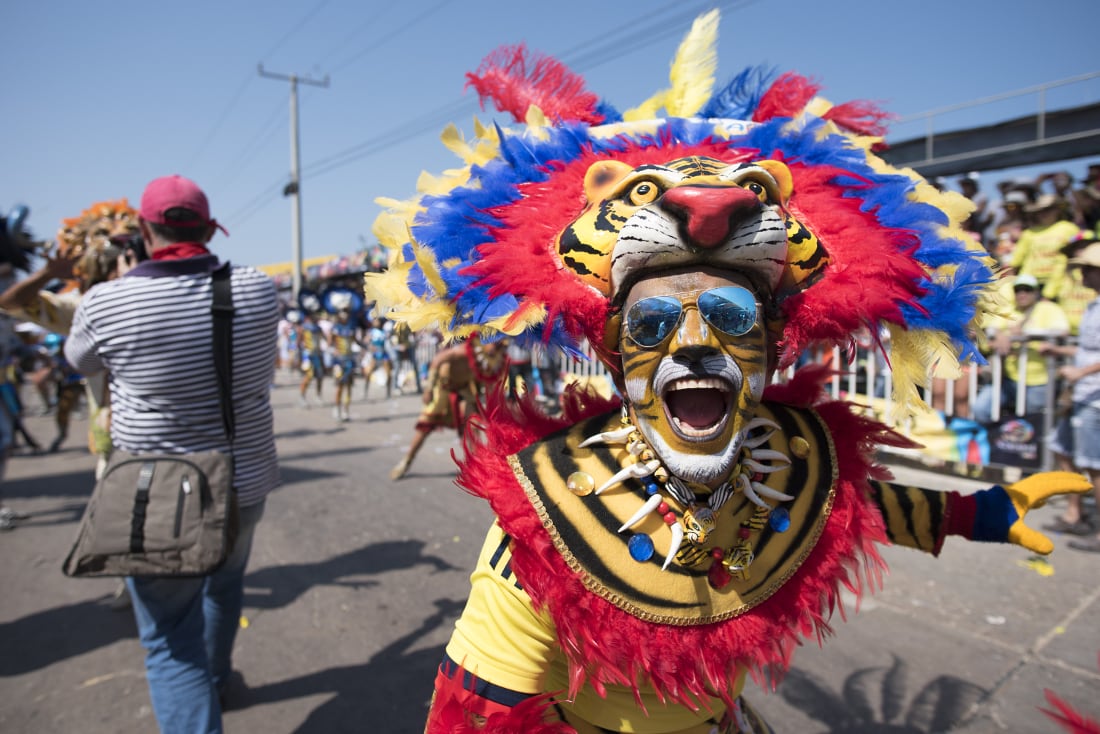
pixel 125 263
pixel 1071 374
pixel 60 266
pixel 1002 343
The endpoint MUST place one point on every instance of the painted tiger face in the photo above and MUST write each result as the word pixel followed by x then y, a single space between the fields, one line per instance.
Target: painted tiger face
pixel 690 211
pixel 692 393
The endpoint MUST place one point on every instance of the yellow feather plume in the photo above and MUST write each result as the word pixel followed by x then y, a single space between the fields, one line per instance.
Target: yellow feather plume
pixel 648 109
pixel 483 148
pixel 391 227
pixel 693 67
pixel 691 74
pixel 914 356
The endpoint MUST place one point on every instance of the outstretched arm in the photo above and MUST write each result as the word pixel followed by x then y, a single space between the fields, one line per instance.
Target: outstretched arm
pixel 923 518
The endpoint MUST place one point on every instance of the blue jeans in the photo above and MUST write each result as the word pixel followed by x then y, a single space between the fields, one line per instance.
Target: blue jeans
pixel 187 627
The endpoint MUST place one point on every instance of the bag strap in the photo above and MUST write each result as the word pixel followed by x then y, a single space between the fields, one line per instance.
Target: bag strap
pixel 222 311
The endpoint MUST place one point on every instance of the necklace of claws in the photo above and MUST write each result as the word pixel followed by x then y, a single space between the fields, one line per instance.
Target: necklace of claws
pixel 700 516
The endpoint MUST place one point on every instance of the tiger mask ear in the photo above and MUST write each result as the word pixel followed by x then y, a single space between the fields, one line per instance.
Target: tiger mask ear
pixel 584 246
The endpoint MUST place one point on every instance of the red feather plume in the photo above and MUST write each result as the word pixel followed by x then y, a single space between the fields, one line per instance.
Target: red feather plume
pixel 786 97
pixel 515 80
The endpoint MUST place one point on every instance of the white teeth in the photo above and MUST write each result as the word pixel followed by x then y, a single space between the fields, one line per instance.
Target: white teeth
pixel 707 383
pixel 693 432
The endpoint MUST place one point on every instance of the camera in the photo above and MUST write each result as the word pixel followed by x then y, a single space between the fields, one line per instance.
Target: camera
pixel 132 245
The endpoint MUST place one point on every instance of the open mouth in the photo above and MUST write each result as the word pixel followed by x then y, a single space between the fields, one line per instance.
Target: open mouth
pixel 698 408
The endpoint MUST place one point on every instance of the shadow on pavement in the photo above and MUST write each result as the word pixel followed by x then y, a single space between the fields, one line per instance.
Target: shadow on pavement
pixel 878 701
pixel 392 687
pixel 277 586
pixel 47 637
pixel 72 484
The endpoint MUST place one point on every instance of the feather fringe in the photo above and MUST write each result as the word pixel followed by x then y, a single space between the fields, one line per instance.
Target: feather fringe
pixel 1067 717
pixel 687 665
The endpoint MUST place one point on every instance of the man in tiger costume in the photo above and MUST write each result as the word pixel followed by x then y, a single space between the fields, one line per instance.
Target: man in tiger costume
pixel 87 253
pixel 651 551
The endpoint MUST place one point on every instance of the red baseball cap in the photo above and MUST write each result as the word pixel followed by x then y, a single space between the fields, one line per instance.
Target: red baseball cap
pixel 176 192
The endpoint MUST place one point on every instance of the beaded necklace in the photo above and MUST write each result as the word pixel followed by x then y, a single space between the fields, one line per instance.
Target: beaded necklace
pixel 698 516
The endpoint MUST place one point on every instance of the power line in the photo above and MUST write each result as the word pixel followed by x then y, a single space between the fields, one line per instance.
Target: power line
pixel 370 22
pixel 250 77
pixel 591 54
pixel 391 35
pixel 582 57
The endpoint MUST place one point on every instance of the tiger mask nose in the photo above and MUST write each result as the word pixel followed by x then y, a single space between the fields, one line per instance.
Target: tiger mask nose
pixel 708 213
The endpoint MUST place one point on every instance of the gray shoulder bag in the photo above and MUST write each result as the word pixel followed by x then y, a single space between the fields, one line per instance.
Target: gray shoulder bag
pixel 167 514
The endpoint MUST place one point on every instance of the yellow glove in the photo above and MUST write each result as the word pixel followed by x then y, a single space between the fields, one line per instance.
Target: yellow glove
pixel 1027 494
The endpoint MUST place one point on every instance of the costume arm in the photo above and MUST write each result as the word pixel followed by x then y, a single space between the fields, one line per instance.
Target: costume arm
pixel 24 293
pixel 923 518
pixel 492 674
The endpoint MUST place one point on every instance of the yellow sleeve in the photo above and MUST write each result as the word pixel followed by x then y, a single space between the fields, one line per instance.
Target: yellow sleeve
pixel 499 637
pixel 914 517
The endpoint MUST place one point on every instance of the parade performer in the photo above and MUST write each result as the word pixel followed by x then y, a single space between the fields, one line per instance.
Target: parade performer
pixel 459 377
pixel 346 305
pixel 379 355
pixel 650 553
pixel 313 342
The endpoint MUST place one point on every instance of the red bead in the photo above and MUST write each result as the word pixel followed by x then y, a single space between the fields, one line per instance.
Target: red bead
pixel 757 477
pixel 745 532
pixel 670 518
pixel 718 576
pixel 663 508
pixel 717 553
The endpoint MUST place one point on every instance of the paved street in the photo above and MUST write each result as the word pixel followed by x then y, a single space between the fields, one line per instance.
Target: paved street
pixel 355 581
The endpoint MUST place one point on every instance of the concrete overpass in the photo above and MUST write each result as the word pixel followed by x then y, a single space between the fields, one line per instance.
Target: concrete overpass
pixel 1042 137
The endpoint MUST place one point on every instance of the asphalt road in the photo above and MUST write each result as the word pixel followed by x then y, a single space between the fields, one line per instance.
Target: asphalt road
pixel 355 581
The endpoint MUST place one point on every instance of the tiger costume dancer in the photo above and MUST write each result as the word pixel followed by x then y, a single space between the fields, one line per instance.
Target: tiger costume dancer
pixel 649 553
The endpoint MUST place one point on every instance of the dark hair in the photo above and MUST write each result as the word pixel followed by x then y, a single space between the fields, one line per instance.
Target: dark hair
pixel 174 233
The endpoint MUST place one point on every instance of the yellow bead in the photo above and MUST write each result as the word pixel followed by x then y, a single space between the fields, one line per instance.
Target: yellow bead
pixel 580 483
pixel 800 447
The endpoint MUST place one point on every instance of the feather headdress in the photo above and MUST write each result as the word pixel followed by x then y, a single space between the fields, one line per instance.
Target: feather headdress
pixel 475 252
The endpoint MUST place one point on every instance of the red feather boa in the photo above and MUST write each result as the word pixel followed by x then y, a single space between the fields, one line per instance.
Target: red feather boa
pixel 687 664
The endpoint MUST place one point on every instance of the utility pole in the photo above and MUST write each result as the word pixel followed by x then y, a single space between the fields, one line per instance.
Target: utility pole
pixel 294 188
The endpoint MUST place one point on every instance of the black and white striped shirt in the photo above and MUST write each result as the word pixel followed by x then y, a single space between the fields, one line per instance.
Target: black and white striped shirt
pixel 153 331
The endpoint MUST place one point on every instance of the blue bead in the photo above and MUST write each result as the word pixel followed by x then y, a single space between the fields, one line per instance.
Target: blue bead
pixel 641 547
pixel 651 486
pixel 780 520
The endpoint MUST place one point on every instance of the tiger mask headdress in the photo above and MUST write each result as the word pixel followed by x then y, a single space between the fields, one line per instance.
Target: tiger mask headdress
pixel 543 229
pixel 690 211
pixel 87 240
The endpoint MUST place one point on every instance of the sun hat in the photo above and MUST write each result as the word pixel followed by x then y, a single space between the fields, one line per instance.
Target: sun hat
pixel 1088 257
pixel 1026 281
pixel 1046 201
pixel 176 192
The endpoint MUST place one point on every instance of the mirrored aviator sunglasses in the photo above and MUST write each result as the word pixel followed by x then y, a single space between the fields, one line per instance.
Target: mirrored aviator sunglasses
pixel 730 309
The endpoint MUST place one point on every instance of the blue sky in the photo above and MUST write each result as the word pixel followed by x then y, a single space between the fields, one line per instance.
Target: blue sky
pixel 101 97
